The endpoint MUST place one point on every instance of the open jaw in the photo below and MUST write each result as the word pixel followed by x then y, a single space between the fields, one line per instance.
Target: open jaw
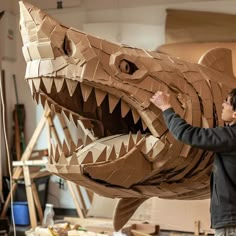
pixel 102 113
pixel 120 143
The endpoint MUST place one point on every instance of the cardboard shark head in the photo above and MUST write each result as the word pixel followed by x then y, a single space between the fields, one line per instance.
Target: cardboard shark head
pixel 108 87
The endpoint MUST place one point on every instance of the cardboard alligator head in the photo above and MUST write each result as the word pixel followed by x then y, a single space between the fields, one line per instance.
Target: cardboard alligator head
pixel 107 87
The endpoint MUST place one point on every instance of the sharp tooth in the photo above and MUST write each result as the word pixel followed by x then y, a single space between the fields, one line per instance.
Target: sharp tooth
pixel 86 91
pixel 112 155
pixel 100 96
pixel 158 148
pixel 138 136
pixel 37 83
pixel 144 147
pixel 136 116
pixel 36 98
pixel 102 156
pixel 80 143
pixel 88 140
pixel 88 158
pixel 57 155
pixel 122 151
pixel 53 160
pixel 62 160
pixel 124 109
pixel 73 119
pixel 144 125
pixel 152 146
pixel 74 160
pixel 150 153
pixel 66 114
pixel 113 101
pixel 31 85
pixel 130 142
pixel 71 86
pixel 47 83
pixel 58 83
pixel 42 100
pixel 65 149
pixel 72 146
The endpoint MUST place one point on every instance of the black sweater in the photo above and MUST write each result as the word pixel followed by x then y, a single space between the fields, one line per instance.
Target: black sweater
pixel 222 141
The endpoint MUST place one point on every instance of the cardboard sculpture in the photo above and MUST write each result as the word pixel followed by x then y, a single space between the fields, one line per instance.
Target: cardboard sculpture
pixel 107 87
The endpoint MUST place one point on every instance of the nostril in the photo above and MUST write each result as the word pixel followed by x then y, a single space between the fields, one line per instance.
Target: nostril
pixel 67 46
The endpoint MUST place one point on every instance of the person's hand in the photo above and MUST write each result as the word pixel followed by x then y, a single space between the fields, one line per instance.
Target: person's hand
pixel 161 100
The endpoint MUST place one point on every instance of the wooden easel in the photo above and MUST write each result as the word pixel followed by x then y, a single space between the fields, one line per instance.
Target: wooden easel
pixel 24 164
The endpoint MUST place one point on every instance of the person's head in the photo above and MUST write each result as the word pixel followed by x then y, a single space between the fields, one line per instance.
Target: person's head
pixel 229 108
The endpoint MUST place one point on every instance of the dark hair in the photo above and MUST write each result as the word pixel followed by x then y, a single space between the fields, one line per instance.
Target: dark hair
pixel 232 95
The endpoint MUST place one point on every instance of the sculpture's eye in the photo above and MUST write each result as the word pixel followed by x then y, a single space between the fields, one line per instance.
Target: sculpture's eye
pixel 67 47
pixel 127 67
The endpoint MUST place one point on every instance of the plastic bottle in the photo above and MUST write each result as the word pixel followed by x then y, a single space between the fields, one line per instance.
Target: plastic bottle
pixel 48 215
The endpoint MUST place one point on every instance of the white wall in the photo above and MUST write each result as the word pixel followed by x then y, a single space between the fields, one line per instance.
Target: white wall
pixel 140 27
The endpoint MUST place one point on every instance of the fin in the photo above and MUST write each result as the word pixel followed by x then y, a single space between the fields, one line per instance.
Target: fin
pixel 219 59
pixel 124 210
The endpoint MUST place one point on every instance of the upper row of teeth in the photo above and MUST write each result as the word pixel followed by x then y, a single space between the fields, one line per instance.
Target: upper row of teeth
pixel 86 91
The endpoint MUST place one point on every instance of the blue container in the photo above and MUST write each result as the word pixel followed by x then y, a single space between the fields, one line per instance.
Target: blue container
pixel 21 213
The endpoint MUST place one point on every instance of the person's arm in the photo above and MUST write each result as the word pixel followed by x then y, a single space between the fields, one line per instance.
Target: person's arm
pixel 220 139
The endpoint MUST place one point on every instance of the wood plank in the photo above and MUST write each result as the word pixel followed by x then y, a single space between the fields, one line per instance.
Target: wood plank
pixel 81 198
pixel 37 202
pixel 30 199
pixel 73 195
pixel 6 204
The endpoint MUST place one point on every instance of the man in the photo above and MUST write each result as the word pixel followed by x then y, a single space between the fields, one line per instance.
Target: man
pixel 220 140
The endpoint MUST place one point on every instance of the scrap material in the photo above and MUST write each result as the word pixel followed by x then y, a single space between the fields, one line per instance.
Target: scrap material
pixel 107 87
